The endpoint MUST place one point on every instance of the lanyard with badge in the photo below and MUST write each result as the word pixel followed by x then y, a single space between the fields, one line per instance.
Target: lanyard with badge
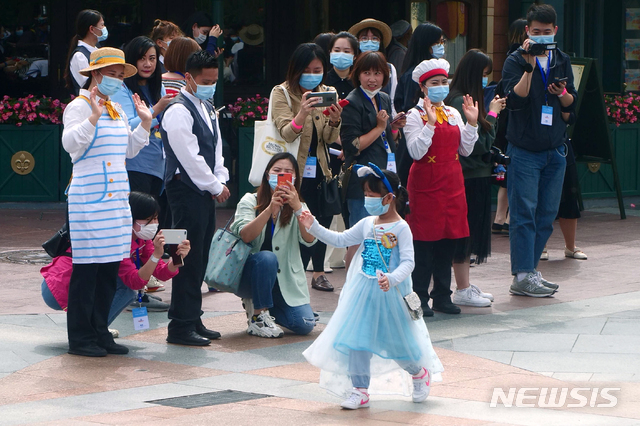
pixel 140 315
pixel 391 157
pixel 546 118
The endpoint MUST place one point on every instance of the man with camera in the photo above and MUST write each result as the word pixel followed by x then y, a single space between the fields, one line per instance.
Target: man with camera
pixel 541 99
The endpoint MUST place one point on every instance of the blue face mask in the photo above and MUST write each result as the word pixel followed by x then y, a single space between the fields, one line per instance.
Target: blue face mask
pixel 104 35
pixel 438 51
pixel 369 45
pixel 19 33
pixel 310 81
pixel 542 39
pixel 109 86
pixel 341 60
pixel 485 81
pixel 374 206
pixel 204 92
pixel 438 93
pixel 273 181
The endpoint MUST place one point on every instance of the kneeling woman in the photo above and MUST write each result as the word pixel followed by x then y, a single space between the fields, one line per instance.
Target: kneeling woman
pixel 134 272
pixel 274 286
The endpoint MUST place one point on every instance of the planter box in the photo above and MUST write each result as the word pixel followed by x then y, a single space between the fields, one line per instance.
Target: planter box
pixel 245 152
pixel 597 182
pixel 37 179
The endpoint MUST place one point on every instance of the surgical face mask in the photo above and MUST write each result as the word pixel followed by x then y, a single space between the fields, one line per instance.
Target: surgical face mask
pixel 146 232
pixel 310 81
pixel 369 45
pixel 273 180
pixel 341 60
pixel 168 43
pixel 437 93
pixel 370 93
pixel 201 38
pixel 542 39
pixel 438 51
pixel 19 32
pixel 374 206
pixel 104 35
pixel 109 86
pixel 234 38
pixel 485 81
pixel 204 92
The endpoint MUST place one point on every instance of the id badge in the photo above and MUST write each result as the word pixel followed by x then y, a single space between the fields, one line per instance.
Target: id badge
pixel 140 318
pixel 391 162
pixel 547 115
pixel 310 168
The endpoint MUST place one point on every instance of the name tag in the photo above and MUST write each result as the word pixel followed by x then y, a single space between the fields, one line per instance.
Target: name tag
pixel 547 115
pixel 310 167
pixel 140 318
pixel 391 162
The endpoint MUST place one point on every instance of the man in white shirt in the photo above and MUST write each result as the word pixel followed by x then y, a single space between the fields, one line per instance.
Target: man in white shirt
pixel 195 179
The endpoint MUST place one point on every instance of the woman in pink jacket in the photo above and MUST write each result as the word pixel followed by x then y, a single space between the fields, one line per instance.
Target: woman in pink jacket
pixel 134 272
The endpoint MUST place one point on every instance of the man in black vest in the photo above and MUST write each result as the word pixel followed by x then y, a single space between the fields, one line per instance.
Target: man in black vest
pixel 194 181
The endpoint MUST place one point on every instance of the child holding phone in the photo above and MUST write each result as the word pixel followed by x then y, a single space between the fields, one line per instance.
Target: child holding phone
pixel 372 333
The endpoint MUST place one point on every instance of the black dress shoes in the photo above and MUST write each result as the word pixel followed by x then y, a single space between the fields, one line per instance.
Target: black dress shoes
pixel 446 307
pixel 426 311
pixel 190 338
pixel 91 350
pixel 115 349
pixel 209 334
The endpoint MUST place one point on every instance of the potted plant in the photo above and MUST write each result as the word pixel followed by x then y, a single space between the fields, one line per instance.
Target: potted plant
pixel 30 148
pixel 245 112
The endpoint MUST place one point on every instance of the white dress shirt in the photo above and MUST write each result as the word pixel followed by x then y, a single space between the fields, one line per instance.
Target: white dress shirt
pixel 80 62
pixel 419 135
pixel 178 124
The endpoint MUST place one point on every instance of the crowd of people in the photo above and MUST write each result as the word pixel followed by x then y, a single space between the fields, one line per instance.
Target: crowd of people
pixel 417 161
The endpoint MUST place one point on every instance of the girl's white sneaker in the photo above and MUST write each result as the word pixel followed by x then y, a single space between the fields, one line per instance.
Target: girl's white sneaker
pixel 357 399
pixel 421 386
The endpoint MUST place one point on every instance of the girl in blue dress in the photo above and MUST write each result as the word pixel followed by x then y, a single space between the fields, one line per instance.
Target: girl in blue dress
pixel 371 342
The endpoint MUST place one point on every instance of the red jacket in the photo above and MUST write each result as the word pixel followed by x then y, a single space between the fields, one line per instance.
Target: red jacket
pixel 57 274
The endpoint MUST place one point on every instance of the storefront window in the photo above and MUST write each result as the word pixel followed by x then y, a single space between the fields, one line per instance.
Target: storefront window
pixel 631 63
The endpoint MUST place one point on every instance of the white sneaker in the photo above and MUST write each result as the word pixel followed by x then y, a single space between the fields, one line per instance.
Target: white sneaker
pixel 114 333
pixel 357 399
pixel 545 254
pixel 468 297
pixel 247 304
pixel 481 293
pixel 263 325
pixel 421 386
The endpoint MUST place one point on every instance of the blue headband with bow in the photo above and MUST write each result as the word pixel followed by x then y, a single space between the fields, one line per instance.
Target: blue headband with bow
pixel 372 169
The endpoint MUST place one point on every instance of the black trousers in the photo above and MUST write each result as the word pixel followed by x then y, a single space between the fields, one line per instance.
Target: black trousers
pixel 433 258
pixel 143 182
pixel 91 292
pixel 309 192
pixel 197 214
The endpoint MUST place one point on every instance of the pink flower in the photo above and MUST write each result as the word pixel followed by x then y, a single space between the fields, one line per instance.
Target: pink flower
pixel 264 117
pixel 18 124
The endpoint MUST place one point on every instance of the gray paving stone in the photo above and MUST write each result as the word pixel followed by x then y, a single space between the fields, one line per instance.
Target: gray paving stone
pixel 11 362
pixel 614 344
pixel 577 326
pixel 515 341
pixel 627 314
pixel 616 378
pixel 503 357
pixel 577 362
pixel 444 344
pixel 622 326
pixel 573 377
pixel 244 382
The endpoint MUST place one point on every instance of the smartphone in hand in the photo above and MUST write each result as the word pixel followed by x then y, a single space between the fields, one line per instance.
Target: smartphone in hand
pixel 283 178
pixel 173 237
pixel 343 103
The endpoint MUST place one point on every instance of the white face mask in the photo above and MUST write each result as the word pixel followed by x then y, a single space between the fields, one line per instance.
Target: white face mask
pixel 370 93
pixel 146 232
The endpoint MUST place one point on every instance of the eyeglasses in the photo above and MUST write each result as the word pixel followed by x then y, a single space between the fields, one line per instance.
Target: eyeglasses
pixel 365 38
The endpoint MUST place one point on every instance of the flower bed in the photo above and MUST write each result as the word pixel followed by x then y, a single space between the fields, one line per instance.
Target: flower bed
pixel 623 109
pixel 245 112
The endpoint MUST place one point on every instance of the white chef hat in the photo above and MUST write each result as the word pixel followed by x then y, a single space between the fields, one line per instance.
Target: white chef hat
pixel 430 68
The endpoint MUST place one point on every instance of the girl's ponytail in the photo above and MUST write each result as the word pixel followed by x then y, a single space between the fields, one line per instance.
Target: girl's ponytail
pixel 402 201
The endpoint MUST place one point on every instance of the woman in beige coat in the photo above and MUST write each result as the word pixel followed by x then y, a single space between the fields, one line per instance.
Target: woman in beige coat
pixel 296 116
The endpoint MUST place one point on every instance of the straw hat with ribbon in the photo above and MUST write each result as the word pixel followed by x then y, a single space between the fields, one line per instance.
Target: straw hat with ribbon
pixel 105 57
pixel 373 23
pixel 252 34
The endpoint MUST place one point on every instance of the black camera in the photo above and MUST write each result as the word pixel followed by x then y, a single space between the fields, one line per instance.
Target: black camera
pixel 538 49
pixel 496 156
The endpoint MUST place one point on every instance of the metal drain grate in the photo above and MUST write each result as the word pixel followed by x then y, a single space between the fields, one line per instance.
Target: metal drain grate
pixel 31 257
pixel 208 399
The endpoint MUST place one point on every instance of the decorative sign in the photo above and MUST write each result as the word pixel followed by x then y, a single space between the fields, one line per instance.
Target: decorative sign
pixel 22 162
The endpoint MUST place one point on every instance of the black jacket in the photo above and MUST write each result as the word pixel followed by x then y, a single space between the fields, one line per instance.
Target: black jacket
pixel 406 92
pixel 524 128
pixel 359 118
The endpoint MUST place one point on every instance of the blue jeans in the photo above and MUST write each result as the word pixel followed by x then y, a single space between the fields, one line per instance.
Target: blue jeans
pixel 360 368
pixel 124 295
pixel 357 212
pixel 259 282
pixel 534 189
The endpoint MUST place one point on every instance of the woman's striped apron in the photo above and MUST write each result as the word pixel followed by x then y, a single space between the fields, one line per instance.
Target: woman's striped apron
pixel 99 214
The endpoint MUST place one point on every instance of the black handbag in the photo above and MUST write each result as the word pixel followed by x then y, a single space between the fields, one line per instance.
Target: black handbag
pixel 329 196
pixel 59 243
